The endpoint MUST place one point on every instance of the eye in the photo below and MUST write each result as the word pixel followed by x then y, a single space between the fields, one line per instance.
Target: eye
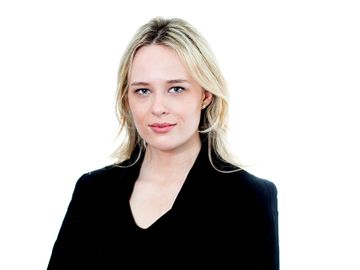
pixel 176 89
pixel 142 91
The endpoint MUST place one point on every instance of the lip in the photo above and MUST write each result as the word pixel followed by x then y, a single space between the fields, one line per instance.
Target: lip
pixel 161 128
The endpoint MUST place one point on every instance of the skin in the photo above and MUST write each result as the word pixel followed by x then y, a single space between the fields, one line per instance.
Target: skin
pixel 161 90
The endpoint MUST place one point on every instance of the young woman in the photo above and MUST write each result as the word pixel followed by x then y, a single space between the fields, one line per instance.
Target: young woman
pixel 175 197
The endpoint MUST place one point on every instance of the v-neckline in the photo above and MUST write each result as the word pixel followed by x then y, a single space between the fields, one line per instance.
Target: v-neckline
pixel 183 190
pixel 153 224
pixel 165 214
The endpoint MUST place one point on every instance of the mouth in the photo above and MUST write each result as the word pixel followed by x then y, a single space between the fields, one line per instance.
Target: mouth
pixel 162 128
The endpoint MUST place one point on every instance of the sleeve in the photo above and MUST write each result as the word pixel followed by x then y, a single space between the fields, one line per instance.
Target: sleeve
pixel 68 247
pixel 274 228
pixel 267 236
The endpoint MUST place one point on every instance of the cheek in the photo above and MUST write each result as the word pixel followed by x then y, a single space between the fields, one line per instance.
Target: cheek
pixel 138 115
pixel 136 111
pixel 191 115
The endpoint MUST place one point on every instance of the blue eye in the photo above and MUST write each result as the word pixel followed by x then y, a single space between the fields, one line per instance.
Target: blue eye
pixel 142 91
pixel 176 89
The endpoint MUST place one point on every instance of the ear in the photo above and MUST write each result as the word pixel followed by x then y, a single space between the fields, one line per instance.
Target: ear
pixel 207 98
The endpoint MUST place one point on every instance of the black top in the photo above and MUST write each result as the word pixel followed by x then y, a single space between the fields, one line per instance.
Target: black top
pixel 218 219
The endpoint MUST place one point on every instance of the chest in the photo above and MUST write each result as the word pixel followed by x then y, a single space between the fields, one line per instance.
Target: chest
pixel 149 201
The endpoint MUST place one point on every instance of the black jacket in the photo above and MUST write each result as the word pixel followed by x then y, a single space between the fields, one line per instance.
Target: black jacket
pixel 221 220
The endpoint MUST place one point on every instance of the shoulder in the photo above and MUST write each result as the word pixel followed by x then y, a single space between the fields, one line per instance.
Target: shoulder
pixel 101 174
pixel 232 180
pixel 101 180
pixel 246 178
pixel 241 184
pixel 253 184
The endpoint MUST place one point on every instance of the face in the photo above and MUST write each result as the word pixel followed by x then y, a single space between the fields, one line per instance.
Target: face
pixel 164 100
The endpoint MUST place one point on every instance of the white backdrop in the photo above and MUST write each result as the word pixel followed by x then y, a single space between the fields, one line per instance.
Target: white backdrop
pixel 293 69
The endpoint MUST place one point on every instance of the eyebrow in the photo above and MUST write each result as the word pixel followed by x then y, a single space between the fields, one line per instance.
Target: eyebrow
pixel 168 82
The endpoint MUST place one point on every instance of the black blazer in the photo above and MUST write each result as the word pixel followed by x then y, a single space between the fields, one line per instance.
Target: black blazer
pixel 222 220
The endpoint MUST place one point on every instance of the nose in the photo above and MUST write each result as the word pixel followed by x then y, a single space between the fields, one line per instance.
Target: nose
pixel 159 106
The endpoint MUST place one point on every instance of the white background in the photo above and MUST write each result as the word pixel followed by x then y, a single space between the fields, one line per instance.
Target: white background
pixel 293 69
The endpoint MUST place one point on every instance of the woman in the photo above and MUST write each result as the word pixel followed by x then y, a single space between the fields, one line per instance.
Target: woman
pixel 175 197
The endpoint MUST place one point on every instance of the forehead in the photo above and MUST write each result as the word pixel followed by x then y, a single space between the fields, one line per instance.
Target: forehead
pixel 157 62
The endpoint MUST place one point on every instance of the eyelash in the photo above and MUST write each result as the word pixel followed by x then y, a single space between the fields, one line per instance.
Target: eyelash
pixel 141 91
pixel 178 87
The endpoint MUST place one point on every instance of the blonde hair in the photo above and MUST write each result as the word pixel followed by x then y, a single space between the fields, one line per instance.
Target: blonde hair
pixel 195 52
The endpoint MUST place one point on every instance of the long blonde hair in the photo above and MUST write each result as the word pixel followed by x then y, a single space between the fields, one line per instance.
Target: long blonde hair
pixel 197 56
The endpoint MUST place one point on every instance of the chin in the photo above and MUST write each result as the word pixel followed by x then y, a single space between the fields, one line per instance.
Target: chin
pixel 169 143
pixel 163 144
pixel 165 147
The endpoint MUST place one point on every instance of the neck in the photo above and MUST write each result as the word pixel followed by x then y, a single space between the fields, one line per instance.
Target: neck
pixel 164 163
